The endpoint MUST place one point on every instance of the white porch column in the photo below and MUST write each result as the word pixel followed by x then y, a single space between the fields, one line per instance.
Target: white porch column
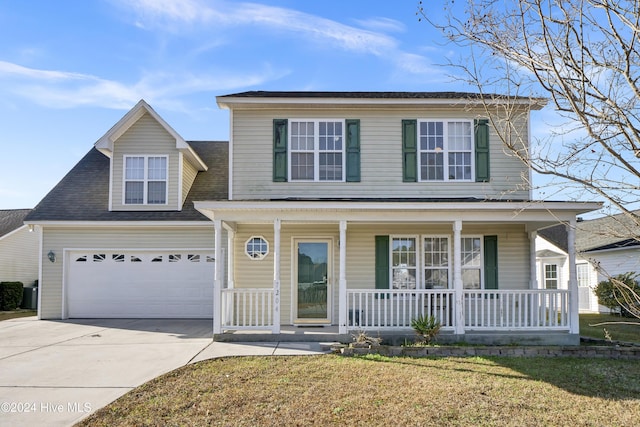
pixel 457 278
pixel 342 293
pixel 276 276
pixel 217 279
pixel 231 273
pixel 533 279
pixel 574 326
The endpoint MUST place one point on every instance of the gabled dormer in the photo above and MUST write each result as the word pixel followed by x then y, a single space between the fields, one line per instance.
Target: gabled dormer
pixel 151 166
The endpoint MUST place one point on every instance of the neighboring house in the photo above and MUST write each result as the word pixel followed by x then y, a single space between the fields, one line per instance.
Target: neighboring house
pixel 553 267
pixel 605 247
pixel 18 248
pixel 120 235
pixel 341 211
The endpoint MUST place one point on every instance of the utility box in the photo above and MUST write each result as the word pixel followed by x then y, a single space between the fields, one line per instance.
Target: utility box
pixel 30 298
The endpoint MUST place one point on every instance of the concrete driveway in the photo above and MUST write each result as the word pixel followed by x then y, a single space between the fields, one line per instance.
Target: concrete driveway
pixel 54 373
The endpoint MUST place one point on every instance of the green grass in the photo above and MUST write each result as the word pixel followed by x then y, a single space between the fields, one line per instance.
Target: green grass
pixel 617 330
pixel 6 315
pixel 381 391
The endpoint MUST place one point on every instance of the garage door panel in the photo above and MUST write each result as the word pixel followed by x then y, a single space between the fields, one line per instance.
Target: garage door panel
pixel 161 284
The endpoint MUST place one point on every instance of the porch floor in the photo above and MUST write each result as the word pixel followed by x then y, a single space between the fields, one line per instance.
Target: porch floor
pixel 329 334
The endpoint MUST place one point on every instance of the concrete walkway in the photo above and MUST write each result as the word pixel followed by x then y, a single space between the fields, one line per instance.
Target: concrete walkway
pixel 55 373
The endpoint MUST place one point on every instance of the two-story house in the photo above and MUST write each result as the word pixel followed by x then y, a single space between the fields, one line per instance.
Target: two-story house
pixel 363 210
pixel 340 211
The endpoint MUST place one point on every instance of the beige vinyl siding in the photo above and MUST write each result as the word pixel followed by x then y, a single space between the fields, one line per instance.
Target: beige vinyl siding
pixel 381 158
pixel 145 137
pixel 19 256
pixel 513 255
pixel 250 273
pixel 189 173
pixel 60 239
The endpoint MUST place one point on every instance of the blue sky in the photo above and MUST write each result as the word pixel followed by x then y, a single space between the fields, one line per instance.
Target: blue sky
pixel 69 70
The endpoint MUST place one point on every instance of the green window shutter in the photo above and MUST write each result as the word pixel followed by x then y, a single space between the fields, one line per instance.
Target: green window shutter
pixel 353 150
pixel 280 150
pixel 409 151
pixel 481 128
pixel 382 262
pixel 491 262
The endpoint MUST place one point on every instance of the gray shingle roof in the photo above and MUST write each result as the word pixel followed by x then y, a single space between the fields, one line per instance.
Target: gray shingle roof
pixel 83 194
pixel 12 219
pixel 608 232
pixel 368 95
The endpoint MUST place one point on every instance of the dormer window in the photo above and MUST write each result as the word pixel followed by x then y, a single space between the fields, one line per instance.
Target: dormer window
pixel 145 180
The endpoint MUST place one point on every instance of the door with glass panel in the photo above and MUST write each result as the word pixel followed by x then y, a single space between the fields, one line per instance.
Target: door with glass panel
pixel 312 288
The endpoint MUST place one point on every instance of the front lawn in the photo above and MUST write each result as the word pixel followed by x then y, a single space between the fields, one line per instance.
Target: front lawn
pixel 375 390
pixel 6 315
pixel 617 330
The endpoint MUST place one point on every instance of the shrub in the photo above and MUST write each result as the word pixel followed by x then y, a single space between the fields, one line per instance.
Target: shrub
pixel 10 295
pixel 427 327
pixel 621 294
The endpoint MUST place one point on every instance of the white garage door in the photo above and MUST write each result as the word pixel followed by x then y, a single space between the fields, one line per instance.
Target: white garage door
pixel 140 284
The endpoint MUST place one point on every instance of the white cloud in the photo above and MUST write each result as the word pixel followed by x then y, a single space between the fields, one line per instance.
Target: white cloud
pixel 214 16
pixel 61 89
pixel 10 69
pixel 382 24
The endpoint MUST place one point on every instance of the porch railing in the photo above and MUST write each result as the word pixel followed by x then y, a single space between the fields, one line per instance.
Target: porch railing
pixel 247 308
pixel 516 309
pixel 394 309
pixel 534 309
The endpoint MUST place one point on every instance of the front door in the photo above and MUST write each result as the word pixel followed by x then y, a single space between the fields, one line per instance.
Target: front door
pixel 312 286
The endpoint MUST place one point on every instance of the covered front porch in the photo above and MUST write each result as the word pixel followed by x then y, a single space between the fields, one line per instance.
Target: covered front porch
pixel 516 311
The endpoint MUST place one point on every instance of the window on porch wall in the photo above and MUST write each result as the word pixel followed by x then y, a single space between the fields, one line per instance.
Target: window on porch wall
pixel 403 263
pixel 436 262
pixel 471 263
pixel 479 262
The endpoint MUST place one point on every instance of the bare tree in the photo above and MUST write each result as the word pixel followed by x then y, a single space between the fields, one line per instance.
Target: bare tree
pixel 581 55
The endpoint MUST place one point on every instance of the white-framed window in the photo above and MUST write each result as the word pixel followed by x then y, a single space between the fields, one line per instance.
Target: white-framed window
pixel 432 270
pixel 582 275
pixel 316 150
pixel 404 262
pixel 445 150
pixel 472 262
pixel 256 247
pixel 551 276
pixel 145 180
pixel 436 256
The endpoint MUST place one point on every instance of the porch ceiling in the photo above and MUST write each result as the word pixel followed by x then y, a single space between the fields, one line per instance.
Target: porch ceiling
pixel 535 214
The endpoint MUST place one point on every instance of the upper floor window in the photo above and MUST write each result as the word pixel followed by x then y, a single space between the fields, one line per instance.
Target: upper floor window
pixel 145 180
pixel 445 150
pixel 316 150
